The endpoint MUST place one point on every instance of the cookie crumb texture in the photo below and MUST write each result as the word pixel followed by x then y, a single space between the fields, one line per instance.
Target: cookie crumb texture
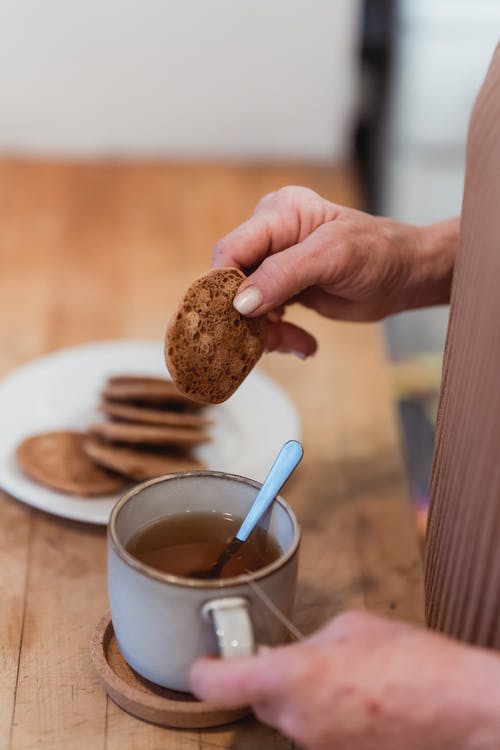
pixel 210 348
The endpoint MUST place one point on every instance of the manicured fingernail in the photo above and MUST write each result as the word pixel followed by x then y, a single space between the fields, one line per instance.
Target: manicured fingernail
pixel 248 300
pixel 296 353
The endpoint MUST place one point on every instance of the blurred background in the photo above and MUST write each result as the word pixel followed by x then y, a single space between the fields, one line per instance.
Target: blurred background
pixel 381 87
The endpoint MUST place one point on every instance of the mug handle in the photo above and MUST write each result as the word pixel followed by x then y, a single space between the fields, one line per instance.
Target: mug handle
pixel 232 624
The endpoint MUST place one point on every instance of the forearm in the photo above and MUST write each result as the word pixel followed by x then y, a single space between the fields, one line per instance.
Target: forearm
pixel 433 262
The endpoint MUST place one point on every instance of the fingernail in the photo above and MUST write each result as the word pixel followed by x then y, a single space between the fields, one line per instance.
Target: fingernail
pixel 296 353
pixel 248 300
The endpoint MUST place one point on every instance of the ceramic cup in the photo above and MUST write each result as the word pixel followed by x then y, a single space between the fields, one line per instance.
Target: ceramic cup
pixel 164 622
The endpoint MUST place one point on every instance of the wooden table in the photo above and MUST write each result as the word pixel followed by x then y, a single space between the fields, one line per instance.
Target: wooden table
pixel 99 251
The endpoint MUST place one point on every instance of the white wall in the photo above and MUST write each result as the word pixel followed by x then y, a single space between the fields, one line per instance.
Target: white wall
pixel 238 78
pixel 443 48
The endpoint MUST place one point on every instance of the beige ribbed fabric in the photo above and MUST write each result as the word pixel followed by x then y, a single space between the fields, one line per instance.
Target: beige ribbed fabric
pixel 463 547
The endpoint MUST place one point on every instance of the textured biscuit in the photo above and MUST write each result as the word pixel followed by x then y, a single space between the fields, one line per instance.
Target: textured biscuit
pixel 143 415
pixel 142 434
pixel 209 347
pixel 137 464
pixel 57 459
pixel 146 390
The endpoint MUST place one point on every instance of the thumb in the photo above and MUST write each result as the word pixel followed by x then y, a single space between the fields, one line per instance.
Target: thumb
pixel 246 681
pixel 283 275
pixel 231 682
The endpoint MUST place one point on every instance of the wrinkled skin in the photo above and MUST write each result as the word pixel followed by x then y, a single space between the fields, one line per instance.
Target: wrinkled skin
pixel 343 263
pixel 366 683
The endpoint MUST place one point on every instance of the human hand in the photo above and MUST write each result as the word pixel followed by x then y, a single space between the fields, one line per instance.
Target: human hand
pixel 365 683
pixel 343 263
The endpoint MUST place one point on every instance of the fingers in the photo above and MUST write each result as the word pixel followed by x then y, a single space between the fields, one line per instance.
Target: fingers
pixel 266 201
pixel 289 338
pixel 281 219
pixel 282 276
pixel 235 682
pixel 271 674
pixel 247 244
pixel 268 231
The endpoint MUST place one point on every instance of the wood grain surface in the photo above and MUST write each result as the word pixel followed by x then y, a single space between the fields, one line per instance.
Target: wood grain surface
pixel 100 251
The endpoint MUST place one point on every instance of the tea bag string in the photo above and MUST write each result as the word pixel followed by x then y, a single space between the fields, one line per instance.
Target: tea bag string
pixel 271 606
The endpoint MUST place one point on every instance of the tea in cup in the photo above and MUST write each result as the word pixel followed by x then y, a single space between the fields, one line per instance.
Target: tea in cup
pixel 165 531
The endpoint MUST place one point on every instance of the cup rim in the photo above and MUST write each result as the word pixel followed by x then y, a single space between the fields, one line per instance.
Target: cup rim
pixel 185 581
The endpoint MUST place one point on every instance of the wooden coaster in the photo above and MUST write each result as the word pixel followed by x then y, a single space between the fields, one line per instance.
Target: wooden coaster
pixel 144 699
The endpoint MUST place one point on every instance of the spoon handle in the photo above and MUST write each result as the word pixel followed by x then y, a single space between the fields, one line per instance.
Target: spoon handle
pixel 286 461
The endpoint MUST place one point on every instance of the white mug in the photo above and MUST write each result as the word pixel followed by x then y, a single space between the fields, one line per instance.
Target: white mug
pixel 163 622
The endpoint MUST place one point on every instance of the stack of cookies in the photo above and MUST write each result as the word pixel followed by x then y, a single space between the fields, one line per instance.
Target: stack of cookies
pixel 151 430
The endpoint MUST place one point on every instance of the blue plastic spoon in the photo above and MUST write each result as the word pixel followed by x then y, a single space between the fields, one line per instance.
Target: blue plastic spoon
pixel 285 463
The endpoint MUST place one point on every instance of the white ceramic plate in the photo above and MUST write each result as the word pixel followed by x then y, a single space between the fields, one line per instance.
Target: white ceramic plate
pixel 61 391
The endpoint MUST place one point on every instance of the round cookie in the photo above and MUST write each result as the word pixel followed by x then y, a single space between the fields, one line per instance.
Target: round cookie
pixel 137 464
pixel 143 415
pixel 209 347
pixel 146 390
pixel 57 459
pixel 142 434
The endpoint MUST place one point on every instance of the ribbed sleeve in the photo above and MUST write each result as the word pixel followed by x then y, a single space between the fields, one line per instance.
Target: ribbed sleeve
pixel 463 544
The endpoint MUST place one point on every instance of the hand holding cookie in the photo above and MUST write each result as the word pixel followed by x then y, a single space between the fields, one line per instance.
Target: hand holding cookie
pixel 343 263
